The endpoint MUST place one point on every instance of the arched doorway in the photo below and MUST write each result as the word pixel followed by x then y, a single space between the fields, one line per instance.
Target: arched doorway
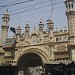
pixel 30 64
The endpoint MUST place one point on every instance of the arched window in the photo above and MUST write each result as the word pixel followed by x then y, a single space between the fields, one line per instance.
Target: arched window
pixel 69 5
pixel 72 5
pixel 66 39
pixel 34 39
pixel 61 38
pixel 57 39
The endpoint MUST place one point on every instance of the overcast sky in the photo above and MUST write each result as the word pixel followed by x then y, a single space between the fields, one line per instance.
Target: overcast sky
pixel 22 11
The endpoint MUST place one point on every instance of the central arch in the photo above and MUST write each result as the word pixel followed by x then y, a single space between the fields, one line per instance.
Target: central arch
pixel 29 61
pixel 32 57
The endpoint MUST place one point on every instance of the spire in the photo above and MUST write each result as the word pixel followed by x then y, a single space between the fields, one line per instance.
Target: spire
pixel 7 11
pixel 27 28
pixel 27 25
pixel 18 30
pixel 50 24
pixel 41 25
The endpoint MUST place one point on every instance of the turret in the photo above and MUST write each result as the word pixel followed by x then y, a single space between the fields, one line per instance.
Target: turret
pixel 5 26
pixel 27 28
pixel 41 26
pixel 70 13
pixel 18 33
pixel 50 27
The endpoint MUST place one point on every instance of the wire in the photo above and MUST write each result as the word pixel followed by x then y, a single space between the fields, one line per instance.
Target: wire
pixel 36 13
pixel 15 3
pixel 33 9
pixel 10 2
pixel 30 5
pixel 52 7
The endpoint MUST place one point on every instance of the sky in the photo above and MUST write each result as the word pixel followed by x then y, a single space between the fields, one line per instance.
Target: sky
pixel 32 11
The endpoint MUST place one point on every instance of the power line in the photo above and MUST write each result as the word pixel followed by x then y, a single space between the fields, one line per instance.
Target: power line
pixel 30 5
pixel 36 13
pixel 52 7
pixel 15 3
pixel 34 8
pixel 45 22
pixel 10 2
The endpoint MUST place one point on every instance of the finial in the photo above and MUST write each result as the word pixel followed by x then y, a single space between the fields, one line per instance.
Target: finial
pixel 40 20
pixel 27 21
pixel 19 24
pixel 65 27
pixel 56 29
pixel 19 27
pixel 6 12
pixel 27 25
pixel 50 18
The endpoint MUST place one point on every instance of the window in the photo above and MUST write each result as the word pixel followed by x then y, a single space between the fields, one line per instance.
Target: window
pixel 56 39
pixel 66 39
pixel 34 39
pixel 72 5
pixel 61 38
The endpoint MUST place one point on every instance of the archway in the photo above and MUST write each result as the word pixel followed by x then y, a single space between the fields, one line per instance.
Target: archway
pixel 28 62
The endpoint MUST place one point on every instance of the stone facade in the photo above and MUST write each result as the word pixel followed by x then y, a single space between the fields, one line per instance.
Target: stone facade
pixel 51 46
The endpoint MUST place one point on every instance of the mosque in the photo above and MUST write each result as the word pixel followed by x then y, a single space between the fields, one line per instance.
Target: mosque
pixel 31 50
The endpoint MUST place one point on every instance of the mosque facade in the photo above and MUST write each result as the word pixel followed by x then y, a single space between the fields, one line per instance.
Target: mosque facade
pixel 32 49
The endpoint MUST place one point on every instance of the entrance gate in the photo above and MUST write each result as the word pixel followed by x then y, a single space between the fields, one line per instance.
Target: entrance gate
pixel 30 64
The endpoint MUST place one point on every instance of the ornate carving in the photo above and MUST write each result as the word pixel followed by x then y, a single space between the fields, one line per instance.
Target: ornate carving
pixel 61 48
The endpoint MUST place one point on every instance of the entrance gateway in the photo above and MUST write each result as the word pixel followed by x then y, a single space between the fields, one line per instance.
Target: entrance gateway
pixel 30 64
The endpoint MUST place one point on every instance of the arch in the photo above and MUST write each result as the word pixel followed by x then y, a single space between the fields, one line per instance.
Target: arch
pixel 29 60
pixel 42 52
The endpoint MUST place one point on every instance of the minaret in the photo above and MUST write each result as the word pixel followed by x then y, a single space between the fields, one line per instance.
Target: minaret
pixel 70 13
pixel 5 26
pixel 27 29
pixel 50 27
